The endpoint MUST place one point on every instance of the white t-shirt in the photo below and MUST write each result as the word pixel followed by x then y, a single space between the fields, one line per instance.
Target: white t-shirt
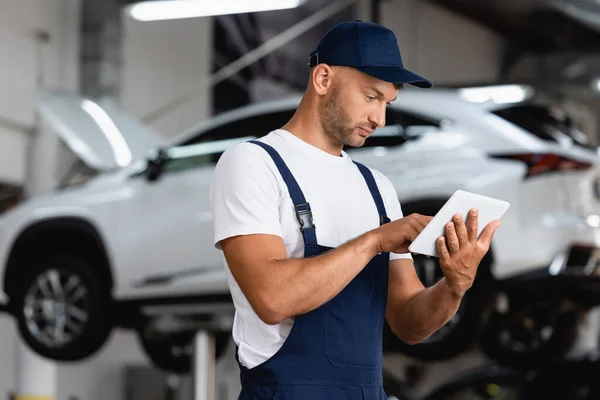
pixel 249 196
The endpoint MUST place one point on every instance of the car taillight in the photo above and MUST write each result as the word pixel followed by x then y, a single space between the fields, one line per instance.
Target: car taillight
pixel 538 164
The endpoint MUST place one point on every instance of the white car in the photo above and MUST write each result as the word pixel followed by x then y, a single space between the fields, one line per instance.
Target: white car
pixel 131 245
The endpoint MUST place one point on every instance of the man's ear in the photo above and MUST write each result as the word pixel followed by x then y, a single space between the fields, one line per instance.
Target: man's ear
pixel 322 78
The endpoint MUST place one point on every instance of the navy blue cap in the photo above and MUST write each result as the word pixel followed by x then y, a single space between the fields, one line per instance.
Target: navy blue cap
pixel 370 48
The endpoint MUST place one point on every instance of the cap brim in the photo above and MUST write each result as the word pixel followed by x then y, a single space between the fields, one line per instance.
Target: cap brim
pixel 396 75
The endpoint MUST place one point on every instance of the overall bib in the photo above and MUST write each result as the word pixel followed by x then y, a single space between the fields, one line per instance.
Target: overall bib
pixel 335 351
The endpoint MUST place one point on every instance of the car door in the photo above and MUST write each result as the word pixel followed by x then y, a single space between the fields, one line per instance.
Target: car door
pixel 167 228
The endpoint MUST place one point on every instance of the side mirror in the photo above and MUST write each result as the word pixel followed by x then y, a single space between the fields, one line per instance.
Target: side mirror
pixel 155 165
pixel 569 123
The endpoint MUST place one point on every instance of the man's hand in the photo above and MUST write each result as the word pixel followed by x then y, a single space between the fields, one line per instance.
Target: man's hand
pixel 396 236
pixel 460 251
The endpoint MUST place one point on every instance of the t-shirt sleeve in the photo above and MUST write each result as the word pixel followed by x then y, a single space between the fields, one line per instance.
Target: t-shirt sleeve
pixel 392 204
pixel 244 194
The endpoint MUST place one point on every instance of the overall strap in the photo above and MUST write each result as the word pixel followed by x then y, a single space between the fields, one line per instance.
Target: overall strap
pixel 303 211
pixel 368 175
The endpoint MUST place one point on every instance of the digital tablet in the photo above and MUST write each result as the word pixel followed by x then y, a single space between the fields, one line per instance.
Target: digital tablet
pixel 460 203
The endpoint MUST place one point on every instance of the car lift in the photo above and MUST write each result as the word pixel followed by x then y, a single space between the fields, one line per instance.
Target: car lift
pixel 204 366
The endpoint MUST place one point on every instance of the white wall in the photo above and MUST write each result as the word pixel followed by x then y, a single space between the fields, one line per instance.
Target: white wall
pixel 12 155
pixel 442 46
pixel 163 60
pixel 27 64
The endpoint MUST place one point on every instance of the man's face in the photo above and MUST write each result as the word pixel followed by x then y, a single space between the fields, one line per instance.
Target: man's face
pixel 355 106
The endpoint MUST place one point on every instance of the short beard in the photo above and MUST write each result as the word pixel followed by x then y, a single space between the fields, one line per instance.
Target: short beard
pixel 336 123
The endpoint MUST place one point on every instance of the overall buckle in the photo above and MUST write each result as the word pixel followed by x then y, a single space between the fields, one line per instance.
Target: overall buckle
pixel 305 217
pixel 310 60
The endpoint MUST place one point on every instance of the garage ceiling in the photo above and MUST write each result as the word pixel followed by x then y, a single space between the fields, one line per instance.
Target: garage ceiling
pixel 563 35
pixel 534 25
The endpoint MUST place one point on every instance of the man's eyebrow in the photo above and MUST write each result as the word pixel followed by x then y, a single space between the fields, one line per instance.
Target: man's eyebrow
pixel 381 95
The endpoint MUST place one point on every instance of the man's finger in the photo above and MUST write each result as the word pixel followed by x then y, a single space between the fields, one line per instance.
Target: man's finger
pixel 461 230
pixel 451 238
pixel 442 250
pixel 488 233
pixel 417 225
pixel 414 231
pixel 422 221
pixel 472 225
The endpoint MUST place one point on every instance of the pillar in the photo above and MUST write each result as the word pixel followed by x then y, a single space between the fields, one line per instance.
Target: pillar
pixel 101 44
pixel 204 366
pixel 57 67
pixel 35 376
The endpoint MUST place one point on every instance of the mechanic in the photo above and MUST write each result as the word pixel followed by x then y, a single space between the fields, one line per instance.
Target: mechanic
pixel 316 245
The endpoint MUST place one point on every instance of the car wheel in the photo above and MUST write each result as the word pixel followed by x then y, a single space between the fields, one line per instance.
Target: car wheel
pixel 174 352
pixel 527 334
pixel 62 309
pixel 451 339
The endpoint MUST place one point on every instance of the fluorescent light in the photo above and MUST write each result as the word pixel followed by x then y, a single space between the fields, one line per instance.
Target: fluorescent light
pixel 597 85
pixel 121 151
pixel 176 9
pixel 498 94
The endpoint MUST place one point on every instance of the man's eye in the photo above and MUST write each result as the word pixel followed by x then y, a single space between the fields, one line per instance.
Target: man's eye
pixel 370 98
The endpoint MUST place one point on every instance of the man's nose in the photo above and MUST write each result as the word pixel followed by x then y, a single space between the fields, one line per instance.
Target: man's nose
pixel 378 117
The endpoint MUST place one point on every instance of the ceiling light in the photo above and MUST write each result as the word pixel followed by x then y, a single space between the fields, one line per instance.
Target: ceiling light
pixel 177 9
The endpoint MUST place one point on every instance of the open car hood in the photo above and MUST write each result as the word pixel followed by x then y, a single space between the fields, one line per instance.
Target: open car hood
pixel 101 135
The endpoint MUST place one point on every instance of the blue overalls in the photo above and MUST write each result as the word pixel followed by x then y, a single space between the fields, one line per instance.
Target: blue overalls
pixel 335 351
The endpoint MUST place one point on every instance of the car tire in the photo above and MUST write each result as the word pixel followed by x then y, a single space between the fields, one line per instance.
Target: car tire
pixel 515 337
pixel 62 293
pixel 174 352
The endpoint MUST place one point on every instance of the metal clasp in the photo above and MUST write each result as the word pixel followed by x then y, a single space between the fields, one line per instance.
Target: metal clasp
pixel 305 217
pixel 310 59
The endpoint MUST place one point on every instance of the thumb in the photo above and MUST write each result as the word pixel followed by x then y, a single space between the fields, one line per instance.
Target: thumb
pixel 486 235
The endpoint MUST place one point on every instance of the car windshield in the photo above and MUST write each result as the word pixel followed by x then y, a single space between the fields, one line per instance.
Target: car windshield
pixel 546 123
